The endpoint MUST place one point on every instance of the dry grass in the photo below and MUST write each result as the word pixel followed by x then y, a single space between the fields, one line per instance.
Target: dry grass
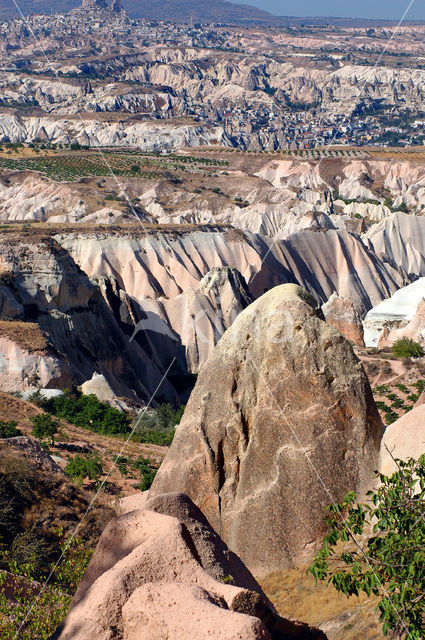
pixel 72 440
pixel 12 408
pixel 296 595
pixel 27 335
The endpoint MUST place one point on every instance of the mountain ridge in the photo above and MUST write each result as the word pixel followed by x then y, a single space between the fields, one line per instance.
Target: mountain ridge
pixel 223 11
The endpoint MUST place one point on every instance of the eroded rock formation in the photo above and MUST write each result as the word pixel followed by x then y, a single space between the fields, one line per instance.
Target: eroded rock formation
pixel 281 422
pixel 341 314
pixel 162 571
pixel 82 335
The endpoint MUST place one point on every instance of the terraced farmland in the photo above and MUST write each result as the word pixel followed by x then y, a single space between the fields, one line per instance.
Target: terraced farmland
pixel 73 165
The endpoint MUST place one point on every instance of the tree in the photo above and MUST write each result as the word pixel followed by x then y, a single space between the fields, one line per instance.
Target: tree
pixel 391 562
pixel 45 426
pixel 407 348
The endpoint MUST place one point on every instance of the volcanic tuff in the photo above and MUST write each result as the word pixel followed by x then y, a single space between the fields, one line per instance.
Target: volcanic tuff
pixel 280 422
pixel 340 314
pixel 160 297
pixel 321 261
pixel 161 570
pixel 42 283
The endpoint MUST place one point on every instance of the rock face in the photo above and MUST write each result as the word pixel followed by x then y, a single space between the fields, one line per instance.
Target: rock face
pixel 280 422
pixel 341 314
pixel 146 136
pixel 163 572
pixel 403 439
pixel 201 315
pixel 401 239
pixel 32 449
pixel 46 287
pixel 21 368
pixel 413 329
pixel 165 266
pixel 99 386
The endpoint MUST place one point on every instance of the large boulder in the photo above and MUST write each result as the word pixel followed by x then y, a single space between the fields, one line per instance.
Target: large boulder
pixel 280 423
pixel 163 572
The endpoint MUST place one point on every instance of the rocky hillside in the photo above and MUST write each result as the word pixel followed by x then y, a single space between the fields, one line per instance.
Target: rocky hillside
pixel 190 240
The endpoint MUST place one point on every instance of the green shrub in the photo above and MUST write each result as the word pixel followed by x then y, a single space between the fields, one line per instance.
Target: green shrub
pixel 381 389
pixel 121 465
pixel 88 412
pixel 158 426
pixel 407 348
pixel 392 397
pixel 390 417
pixel 32 614
pixel 45 426
pixel 420 385
pixel 413 397
pixel 147 471
pixel 17 483
pixel 81 467
pixel 382 406
pixel 389 562
pixel 8 429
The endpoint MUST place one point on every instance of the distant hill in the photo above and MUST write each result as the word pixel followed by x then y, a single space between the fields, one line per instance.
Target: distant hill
pixel 172 10
pixel 196 10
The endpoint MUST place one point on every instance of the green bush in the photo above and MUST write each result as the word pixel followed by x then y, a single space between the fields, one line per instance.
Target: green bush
pixel 381 389
pixel 382 406
pixel 17 484
pixel 45 426
pixel 8 429
pixel 88 412
pixel 147 471
pixel 420 385
pixel 84 467
pixel 413 397
pixel 158 426
pixel 389 563
pixel 402 388
pixel 390 417
pixel 407 348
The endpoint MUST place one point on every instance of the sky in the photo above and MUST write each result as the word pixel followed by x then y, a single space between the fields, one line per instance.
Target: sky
pixel 381 9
